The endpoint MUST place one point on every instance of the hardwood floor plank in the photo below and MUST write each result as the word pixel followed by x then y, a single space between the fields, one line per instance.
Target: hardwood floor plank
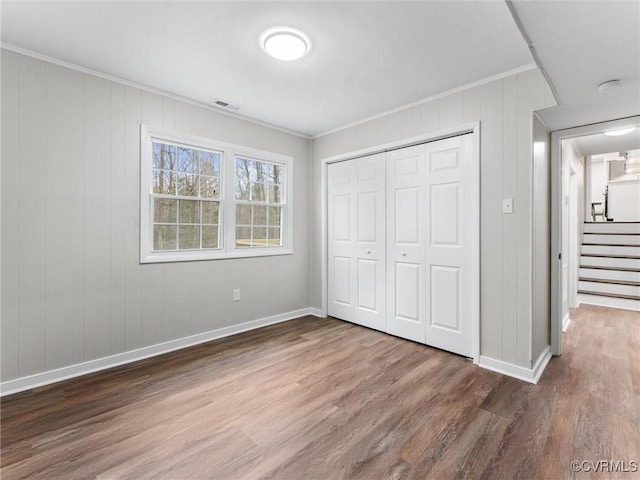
pixel 325 399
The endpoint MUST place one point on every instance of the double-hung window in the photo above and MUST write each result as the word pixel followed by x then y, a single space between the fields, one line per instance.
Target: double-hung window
pixel 185 195
pixel 203 199
pixel 259 203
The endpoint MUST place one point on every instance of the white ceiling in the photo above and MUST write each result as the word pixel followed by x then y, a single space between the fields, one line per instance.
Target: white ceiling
pixel 366 58
pixel 582 44
pixel 600 144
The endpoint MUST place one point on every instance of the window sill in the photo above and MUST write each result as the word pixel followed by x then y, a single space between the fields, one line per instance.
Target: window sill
pixel 195 256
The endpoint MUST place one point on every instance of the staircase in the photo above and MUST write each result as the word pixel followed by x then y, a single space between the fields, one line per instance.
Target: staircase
pixel 610 265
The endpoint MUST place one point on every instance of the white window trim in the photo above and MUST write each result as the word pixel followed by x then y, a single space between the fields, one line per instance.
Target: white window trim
pixel 227 199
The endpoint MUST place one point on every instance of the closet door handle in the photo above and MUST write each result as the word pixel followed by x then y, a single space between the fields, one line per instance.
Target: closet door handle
pixel 404 254
pixel 368 252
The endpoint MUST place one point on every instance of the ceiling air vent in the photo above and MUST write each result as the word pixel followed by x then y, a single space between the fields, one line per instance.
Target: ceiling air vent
pixel 226 105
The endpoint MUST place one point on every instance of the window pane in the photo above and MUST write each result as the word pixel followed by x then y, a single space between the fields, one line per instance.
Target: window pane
pixel 209 187
pixel 189 211
pixel 164 156
pixel 275 214
pixel 209 163
pixel 274 194
pixel 165 210
pixel 274 236
pixel 242 189
pixel 243 214
pixel 243 237
pixel 245 169
pixel 210 213
pixel 209 237
pixel 189 237
pixel 260 215
pixel 260 236
pixel 277 174
pixel 261 171
pixel 164 237
pixel 187 185
pixel 268 172
pixel 158 161
pixel 187 161
pixel 258 193
pixel 164 182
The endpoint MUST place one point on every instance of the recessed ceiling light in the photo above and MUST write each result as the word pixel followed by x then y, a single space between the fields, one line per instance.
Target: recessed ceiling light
pixel 285 43
pixel 617 133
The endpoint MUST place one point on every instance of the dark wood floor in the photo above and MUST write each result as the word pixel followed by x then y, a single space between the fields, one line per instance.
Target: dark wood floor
pixel 324 399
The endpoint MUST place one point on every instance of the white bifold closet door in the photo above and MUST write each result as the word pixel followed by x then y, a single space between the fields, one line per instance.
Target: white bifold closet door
pixel 356 230
pixel 406 240
pixel 430 204
pixel 403 237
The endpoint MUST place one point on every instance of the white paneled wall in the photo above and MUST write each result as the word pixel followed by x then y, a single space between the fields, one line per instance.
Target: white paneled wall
pixel 73 289
pixel 504 108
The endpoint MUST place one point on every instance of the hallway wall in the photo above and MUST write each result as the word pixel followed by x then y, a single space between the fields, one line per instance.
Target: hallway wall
pixel 571 160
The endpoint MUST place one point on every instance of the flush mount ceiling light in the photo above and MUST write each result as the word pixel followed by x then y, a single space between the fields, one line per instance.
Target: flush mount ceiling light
pixel 617 133
pixel 285 43
pixel 609 86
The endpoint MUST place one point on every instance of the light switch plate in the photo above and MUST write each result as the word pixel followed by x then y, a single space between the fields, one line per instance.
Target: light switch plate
pixel 507 205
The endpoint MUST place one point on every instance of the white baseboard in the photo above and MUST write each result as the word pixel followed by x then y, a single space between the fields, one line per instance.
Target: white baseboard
pixel 611 302
pixel 316 312
pixel 45 378
pixel 541 363
pixel 531 375
pixel 565 323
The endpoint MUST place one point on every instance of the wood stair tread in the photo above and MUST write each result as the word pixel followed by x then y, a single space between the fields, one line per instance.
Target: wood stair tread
pixel 611 245
pixel 612 282
pixel 631 257
pixel 613 295
pixel 615 269
pixel 611 233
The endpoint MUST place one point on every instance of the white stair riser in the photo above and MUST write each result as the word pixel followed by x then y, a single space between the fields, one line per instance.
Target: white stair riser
pixel 627 290
pixel 613 302
pixel 632 263
pixel 616 275
pixel 611 227
pixel 612 239
pixel 611 250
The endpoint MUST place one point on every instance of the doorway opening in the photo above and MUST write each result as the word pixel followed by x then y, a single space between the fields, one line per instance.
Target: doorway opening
pixel 595 222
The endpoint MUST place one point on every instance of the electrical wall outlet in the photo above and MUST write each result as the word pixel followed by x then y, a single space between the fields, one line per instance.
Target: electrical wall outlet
pixel 236 295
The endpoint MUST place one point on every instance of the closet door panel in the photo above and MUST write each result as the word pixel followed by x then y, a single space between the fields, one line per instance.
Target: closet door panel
pixel 407 292
pixel 449 252
pixel 445 298
pixel 356 198
pixel 341 280
pixel 445 214
pixel 406 243
pixel 341 246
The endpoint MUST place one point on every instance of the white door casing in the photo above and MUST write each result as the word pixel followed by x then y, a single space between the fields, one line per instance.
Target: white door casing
pixel 574 241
